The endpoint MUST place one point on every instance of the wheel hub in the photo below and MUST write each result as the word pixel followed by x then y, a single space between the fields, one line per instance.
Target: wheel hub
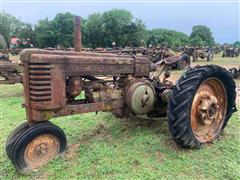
pixel 208 109
pixel 41 150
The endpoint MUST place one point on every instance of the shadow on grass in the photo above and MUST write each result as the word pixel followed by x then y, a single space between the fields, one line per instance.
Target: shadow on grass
pixel 123 130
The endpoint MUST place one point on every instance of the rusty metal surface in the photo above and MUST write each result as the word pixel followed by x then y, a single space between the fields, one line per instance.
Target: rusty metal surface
pixel 140 97
pixel 41 150
pixel 173 59
pixel 10 72
pixel 77 34
pixel 208 110
pixel 26 53
pixel 52 80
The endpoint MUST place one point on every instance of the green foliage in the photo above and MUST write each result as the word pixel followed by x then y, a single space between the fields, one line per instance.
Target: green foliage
pixel 9 26
pixel 58 32
pixel 202 36
pixel 116 25
pixel 63 25
pixel 236 44
pixel 27 33
pixel 100 30
pixel 196 41
pixel 45 34
pixel 167 37
pixel 3 44
pixel 94 30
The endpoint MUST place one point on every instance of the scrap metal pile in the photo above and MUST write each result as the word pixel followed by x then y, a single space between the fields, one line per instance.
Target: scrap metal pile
pixel 231 52
pixel 9 71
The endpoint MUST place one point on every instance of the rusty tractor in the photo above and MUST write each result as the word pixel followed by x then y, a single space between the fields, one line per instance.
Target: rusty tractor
pixel 198 107
pixel 153 54
pixel 9 71
pixel 4 56
pixel 159 54
pixel 231 52
pixel 235 72
pixel 203 54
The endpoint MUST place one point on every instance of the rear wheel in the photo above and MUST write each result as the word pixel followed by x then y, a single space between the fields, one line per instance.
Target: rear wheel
pixel 38 145
pixel 201 103
pixel 209 56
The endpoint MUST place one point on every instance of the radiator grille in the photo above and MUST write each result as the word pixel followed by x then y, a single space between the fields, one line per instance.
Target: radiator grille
pixel 40 82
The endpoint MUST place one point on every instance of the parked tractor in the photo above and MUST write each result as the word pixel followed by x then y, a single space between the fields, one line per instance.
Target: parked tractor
pixel 9 71
pixel 198 107
pixel 203 54
pixel 153 54
pixel 231 52
pixel 4 56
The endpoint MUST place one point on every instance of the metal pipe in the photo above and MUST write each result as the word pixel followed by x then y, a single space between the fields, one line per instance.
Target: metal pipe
pixel 77 34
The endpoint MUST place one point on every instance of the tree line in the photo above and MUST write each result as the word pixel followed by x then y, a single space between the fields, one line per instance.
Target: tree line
pixel 99 30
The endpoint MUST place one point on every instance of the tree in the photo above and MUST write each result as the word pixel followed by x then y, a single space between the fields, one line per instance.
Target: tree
pixel 63 25
pixel 9 26
pixel 94 31
pixel 196 41
pixel 167 37
pixel 58 32
pixel 236 44
pixel 203 34
pixel 28 34
pixel 136 34
pixel 45 34
pixel 3 44
pixel 116 25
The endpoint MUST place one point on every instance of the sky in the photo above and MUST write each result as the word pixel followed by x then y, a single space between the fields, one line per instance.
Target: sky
pixel 221 16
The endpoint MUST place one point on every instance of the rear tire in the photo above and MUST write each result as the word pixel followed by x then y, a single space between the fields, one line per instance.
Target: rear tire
pixel 182 100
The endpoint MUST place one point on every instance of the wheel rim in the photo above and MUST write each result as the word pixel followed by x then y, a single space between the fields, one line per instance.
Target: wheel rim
pixel 208 110
pixel 41 150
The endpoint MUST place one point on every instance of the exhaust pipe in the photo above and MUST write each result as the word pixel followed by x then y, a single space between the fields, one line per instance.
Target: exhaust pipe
pixel 77 34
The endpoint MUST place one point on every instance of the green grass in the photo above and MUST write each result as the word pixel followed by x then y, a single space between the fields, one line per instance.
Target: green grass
pixel 104 147
pixel 218 60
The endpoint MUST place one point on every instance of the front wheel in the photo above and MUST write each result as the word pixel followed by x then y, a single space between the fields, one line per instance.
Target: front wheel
pixel 37 145
pixel 13 136
pixel 202 102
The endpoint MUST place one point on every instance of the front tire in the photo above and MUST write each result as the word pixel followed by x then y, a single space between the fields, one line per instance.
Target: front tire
pixel 202 102
pixel 38 145
pixel 13 136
